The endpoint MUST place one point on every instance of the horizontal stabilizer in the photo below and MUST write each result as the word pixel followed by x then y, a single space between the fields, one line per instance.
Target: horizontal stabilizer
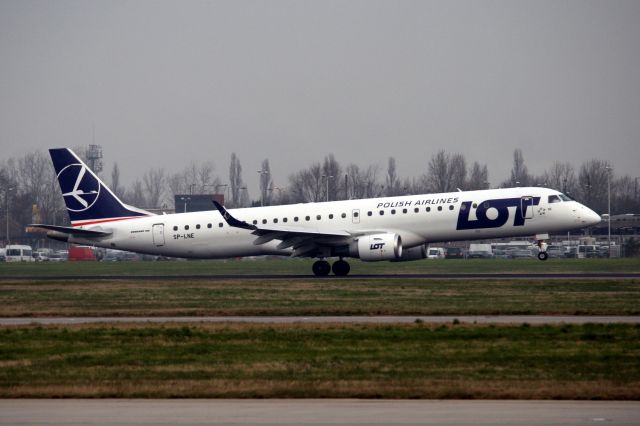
pixel 76 232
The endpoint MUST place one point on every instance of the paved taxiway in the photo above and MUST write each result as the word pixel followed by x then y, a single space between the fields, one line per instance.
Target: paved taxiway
pixel 315 412
pixel 435 276
pixel 469 319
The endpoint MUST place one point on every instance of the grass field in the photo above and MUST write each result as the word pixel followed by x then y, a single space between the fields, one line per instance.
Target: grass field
pixel 410 361
pixel 303 267
pixel 309 296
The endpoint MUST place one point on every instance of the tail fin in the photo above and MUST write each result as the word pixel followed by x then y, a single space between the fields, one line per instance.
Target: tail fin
pixel 87 198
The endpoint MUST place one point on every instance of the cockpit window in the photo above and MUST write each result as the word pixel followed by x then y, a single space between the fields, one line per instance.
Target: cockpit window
pixel 565 197
pixel 554 199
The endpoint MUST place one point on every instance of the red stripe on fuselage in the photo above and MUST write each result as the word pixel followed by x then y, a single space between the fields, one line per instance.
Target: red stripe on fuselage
pixel 93 222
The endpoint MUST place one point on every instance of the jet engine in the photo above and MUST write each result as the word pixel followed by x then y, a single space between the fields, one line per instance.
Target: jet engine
pixel 413 253
pixel 372 248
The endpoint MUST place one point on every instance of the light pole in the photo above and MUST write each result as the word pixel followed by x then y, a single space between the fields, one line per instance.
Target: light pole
pixel 609 208
pixel 327 178
pixel 185 199
pixel 6 196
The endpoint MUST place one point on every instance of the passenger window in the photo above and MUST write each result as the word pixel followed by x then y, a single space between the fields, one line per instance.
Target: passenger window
pixel 284 219
pixel 369 213
pixel 428 209
pixel 264 221
pixel 295 219
pixel 186 227
pixel 318 217
pixel 416 210
pixel 220 225
pixel 331 216
pixel 198 226
pixel 356 214
pixel 451 207
pixel 393 211
pixel 275 220
pixel 255 222
pixel 307 218
pixel 381 212
pixel 404 211
pixel 343 215
pixel 175 228
pixel 439 208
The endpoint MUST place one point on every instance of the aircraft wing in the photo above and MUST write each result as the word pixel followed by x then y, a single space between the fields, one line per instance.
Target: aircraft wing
pixel 304 241
pixel 76 232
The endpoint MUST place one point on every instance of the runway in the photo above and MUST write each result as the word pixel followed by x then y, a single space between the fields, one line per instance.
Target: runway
pixel 315 412
pixel 465 319
pixel 235 277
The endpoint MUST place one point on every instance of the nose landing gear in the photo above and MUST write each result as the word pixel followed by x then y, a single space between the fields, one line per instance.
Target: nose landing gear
pixel 542 246
pixel 321 268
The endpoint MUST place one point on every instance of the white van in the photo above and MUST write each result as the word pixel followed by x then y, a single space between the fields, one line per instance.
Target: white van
pixel 435 253
pixel 18 253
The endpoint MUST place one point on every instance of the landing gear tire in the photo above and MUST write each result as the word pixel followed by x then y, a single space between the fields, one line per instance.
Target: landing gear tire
pixel 543 255
pixel 341 268
pixel 321 268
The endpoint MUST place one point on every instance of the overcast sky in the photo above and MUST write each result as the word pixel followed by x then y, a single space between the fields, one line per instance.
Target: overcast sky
pixel 168 82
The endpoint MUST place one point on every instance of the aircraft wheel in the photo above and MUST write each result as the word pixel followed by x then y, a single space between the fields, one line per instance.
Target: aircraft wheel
pixel 341 268
pixel 321 268
pixel 543 255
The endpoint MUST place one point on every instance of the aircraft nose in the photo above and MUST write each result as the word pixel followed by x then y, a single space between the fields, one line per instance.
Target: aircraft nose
pixel 589 217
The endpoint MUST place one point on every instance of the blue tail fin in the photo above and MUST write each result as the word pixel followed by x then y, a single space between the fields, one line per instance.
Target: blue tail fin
pixel 87 198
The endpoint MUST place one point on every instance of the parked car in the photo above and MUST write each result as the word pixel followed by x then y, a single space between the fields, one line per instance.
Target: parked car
pixel 556 251
pixel 454 253
pixel 479 254
pixel 501 254
pixel 435 253
pixel 522 254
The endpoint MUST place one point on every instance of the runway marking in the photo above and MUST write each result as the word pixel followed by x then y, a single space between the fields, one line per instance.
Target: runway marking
pixel 431 319
pixel 434 276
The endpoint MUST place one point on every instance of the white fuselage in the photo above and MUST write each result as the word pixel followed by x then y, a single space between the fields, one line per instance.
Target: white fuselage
pixel 418 219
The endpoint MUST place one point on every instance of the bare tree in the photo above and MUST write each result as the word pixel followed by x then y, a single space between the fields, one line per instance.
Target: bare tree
pixel 446 172
pixel 235 181
pixel 392 183
pixel 479 177
pixel 332 171
pixel 457 172
pixel 363 183
pixel 266 182
pixel 592 182
pixel 306 185
pixel 561 176
pixel 116 188
pixel 154 183
pixel 519 173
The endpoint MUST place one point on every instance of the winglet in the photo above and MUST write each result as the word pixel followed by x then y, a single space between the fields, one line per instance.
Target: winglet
pixel 232 221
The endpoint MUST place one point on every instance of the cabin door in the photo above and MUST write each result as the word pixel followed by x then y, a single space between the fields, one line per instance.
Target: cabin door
pixel 355 215
pixel 158 234
pixel 526 207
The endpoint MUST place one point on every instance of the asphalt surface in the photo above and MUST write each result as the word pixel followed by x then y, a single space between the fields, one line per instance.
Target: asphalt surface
pixel 444 276
pixel 467 319
pixel 315 412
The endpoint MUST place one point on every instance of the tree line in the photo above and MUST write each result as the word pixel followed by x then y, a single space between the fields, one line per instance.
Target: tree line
pixel 30 190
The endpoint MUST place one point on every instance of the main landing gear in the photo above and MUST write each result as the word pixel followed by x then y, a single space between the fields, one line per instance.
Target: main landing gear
pixel 321 268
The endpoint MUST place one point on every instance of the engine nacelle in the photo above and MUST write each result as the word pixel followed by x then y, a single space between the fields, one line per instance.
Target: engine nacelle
pixel 413 253
pixel 372 248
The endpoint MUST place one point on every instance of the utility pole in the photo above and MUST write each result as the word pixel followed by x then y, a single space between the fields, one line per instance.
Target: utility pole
pixel 609 208
pixel 6 196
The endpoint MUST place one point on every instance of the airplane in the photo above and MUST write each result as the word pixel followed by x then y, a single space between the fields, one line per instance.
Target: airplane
pixel 376 229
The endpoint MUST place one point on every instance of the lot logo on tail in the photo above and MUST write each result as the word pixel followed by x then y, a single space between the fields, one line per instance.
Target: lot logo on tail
pixel 499 210
pixel 79 188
